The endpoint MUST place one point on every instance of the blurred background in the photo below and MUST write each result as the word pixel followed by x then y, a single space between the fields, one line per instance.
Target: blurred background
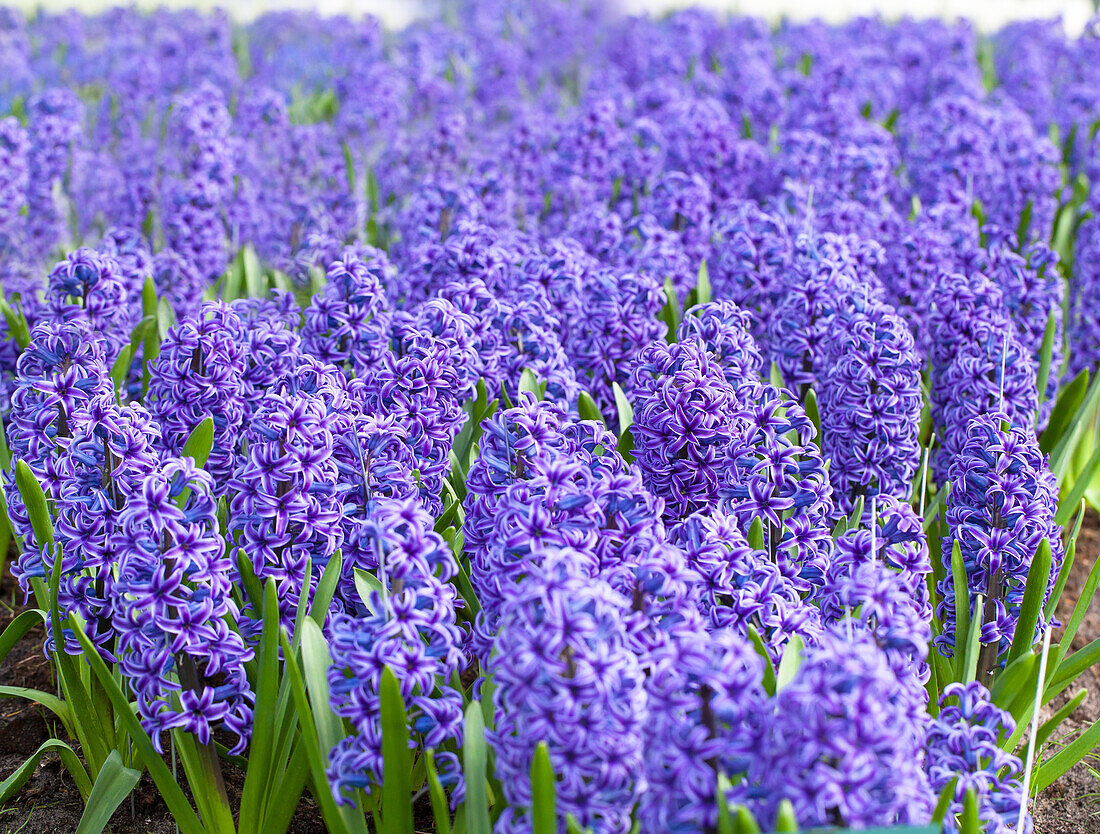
pixel 987 14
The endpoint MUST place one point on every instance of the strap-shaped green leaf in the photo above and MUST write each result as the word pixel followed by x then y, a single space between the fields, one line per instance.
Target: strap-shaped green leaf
pixel 396 758
pixel 17 324
pixel 587 408
pixel 112 785
pixel 200 442
pixel 475 759
pixel 1066 758
pixel 10 786
pixel 544 811
pixel 440 809
pixel 1038 578
pixel 1065 407
pixel 182 813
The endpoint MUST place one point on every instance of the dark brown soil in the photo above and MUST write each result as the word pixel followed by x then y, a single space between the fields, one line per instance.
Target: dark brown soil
pixel 50 804
pixel 1072 804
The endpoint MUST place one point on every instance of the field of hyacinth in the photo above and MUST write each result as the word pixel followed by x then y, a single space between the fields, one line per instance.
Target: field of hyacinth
pixel 541 419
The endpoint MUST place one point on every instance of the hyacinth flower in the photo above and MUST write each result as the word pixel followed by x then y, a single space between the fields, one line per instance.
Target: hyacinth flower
pixel 752 251
pixel 171 609
pixel 373 463
pixel 285 509
pixel 269 332
pixel 1033 292
pixel 742 587
pixel 14 177
pixel 91 286
pixel 1001 505
pixel 918 252
pixel 511 441
pixel 581 499
pixel 1084 330
pixel 408 625
pixel 870 404
pixel 530 330
pixel 347 323
pixel 112 451
pixel 842 741
pixel 774 471
pixel 684 424
pixel 622 317
pixel 441 320
pixel 61 371
pixel 963 746
pixel 198 374
pixel 726 332
pixel 566 675
pixel 989 375
pixel 193 203
pixel 705 697
pixel 878 581
pixel 55 119
pixel 421 383
pixel 829 273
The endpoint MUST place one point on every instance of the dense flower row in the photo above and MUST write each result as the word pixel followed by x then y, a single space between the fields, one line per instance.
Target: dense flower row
pixel 737 264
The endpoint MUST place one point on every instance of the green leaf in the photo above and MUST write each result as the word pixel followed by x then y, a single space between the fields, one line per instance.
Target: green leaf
pixel 112 785
pixel 1081 485
pixel 809 404
pixel 756 534
pixel 725 814
pixel 775 377
pixel 1065 407
pixel 789 663
pixel 1079 611
pixel 762 650
pixel 703 292
pixel 263 728
pixel 1067 565
pixel 1038 578
pixel 785 820
pixel 744 822
pixel 962 605
pixel 544 812
pixel 19 628
pixel 396 759
pixel 326 588
pixel 339 819
pixel 440 809
pixel 1024 226
pixel 1055 721
pixel 475 758
pixel 587 408
pixel 120 370
pixel 10 786
pixel 47 700
pixel 35 501
pixel 1060 457
pixel 1010 682
pixel 970 823
pixel 1066 758
pixel 1073 666
pixel 670 313
pixel 365 584
pixel 944 802
pixel 200 442
pixel 182 813
pixel 1046 351
pixel 152 336
pixel 17 324
pixel 623 407
pixel 529 383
